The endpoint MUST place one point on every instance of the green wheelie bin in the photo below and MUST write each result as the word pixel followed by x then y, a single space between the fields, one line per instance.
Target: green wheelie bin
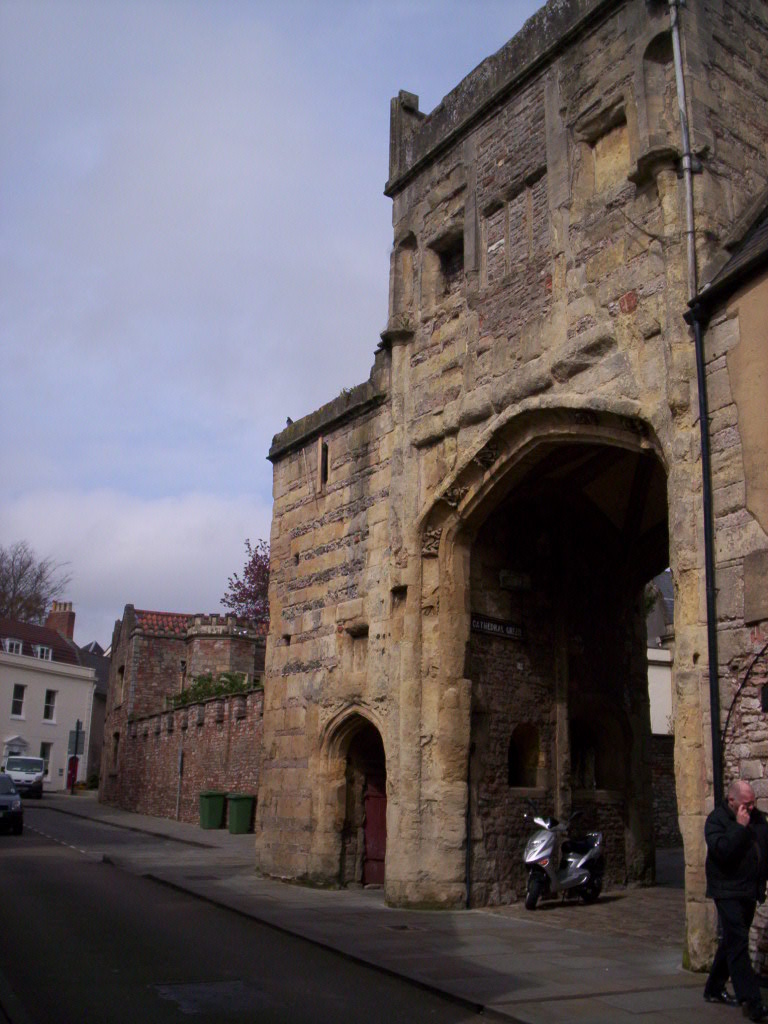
pixel 240 812
pixel 212 808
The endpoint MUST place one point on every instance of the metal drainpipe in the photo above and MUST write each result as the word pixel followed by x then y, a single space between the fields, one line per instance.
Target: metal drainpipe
pixel 694 317
pixel 685 137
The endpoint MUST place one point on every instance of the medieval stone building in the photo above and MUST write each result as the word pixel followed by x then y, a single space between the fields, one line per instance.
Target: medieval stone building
pixel 460 544
pixel 158 756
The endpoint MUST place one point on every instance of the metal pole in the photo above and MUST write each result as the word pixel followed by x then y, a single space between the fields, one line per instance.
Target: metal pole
pixel 178 790
pixel 78 725
pixel 686 142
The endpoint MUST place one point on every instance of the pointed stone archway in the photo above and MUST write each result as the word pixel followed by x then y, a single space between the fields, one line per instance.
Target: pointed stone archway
pixel 534 558
pixel 353 788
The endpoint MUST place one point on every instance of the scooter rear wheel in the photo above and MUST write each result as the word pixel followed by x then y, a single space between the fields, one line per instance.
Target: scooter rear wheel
pixel 533 893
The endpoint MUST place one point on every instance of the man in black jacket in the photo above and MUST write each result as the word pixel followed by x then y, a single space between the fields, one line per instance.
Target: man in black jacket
pixel 737 866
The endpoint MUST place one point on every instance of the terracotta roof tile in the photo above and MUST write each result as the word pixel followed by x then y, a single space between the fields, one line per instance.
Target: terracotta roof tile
pixel 163 622
pixel 177 623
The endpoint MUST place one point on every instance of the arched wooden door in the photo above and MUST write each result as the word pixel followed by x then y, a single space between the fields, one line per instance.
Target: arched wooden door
pixel 375 829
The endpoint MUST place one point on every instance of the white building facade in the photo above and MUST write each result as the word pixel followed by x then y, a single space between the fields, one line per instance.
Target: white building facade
pixel 44 693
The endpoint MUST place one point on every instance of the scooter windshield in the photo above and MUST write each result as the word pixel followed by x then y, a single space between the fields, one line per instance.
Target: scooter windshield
pixel 548 823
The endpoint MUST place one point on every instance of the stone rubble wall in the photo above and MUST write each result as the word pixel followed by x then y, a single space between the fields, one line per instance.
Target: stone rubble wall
pixel 666 825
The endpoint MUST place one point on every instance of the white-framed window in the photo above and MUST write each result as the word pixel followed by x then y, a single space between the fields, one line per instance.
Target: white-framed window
pixel 45 753
pixel 17 703
pixel 43 652
pixel 49 708
pixel 11 646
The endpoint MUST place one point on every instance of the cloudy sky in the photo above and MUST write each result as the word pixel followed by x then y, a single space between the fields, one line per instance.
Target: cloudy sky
pixel 194 245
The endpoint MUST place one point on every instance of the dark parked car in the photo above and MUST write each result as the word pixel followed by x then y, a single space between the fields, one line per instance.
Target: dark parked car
pixel 11 811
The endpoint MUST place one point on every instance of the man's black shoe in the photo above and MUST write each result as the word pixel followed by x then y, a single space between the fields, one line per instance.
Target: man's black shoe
pixel 755 1011
pixel 723 996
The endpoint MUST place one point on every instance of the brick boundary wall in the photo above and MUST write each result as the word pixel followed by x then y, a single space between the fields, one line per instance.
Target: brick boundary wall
pixel 666 825
pixel 221 742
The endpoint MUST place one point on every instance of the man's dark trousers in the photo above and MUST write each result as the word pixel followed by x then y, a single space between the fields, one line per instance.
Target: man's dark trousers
pixel 732 956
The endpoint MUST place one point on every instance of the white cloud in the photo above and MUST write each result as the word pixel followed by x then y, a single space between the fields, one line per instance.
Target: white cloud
pixel 172 554
pixel 194 245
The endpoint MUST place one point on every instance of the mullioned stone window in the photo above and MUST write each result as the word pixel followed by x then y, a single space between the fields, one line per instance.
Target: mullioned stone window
pixel 515 234
pixel 494 265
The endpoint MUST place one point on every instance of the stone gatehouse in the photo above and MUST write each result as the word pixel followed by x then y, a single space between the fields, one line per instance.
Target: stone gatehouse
pixel 461 543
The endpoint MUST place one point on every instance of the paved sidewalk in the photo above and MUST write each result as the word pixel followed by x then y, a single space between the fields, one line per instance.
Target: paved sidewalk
pixel 612 963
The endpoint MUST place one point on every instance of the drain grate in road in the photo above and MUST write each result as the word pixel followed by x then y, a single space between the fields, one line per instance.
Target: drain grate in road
pixel 403 928
pixel 217 997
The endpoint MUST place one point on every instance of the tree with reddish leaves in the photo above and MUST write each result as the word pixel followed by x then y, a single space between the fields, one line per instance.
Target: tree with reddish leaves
pixel 247 597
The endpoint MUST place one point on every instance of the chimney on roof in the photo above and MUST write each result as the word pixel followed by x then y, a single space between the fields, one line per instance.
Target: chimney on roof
pixel 62 619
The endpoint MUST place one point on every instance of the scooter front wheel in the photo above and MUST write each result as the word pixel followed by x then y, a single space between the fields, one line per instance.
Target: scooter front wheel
pixel 533 892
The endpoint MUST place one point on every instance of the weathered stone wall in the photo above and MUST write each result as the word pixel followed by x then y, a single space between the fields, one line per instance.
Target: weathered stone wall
pixel 220 741
pixel 538 281
pixel 328 549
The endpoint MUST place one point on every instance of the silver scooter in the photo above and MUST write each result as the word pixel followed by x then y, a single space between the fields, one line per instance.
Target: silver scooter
pixel 577 872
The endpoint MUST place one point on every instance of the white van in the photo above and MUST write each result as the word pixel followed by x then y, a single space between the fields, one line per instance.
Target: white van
pixel 27 774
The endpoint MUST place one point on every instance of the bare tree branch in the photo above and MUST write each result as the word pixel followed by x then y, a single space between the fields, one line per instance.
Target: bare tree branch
pixel 28 584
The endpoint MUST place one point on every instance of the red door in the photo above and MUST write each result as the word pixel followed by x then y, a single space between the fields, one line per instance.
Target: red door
pixel 375 830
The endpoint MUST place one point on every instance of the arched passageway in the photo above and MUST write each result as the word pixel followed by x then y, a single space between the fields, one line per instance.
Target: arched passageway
pixel 557 655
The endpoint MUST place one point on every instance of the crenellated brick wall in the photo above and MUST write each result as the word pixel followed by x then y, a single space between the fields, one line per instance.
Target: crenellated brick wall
pixel 155 657
pixel 220 741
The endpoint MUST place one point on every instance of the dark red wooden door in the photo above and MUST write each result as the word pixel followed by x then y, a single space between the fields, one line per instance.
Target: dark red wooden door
pixel 375 828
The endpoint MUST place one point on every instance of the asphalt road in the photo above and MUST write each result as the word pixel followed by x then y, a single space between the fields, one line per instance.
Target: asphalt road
pixel 82 942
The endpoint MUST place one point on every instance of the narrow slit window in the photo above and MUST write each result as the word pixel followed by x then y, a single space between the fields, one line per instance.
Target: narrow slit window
pixel 322 463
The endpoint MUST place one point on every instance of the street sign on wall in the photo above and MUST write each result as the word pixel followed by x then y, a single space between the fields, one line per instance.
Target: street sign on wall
pixel 496 627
